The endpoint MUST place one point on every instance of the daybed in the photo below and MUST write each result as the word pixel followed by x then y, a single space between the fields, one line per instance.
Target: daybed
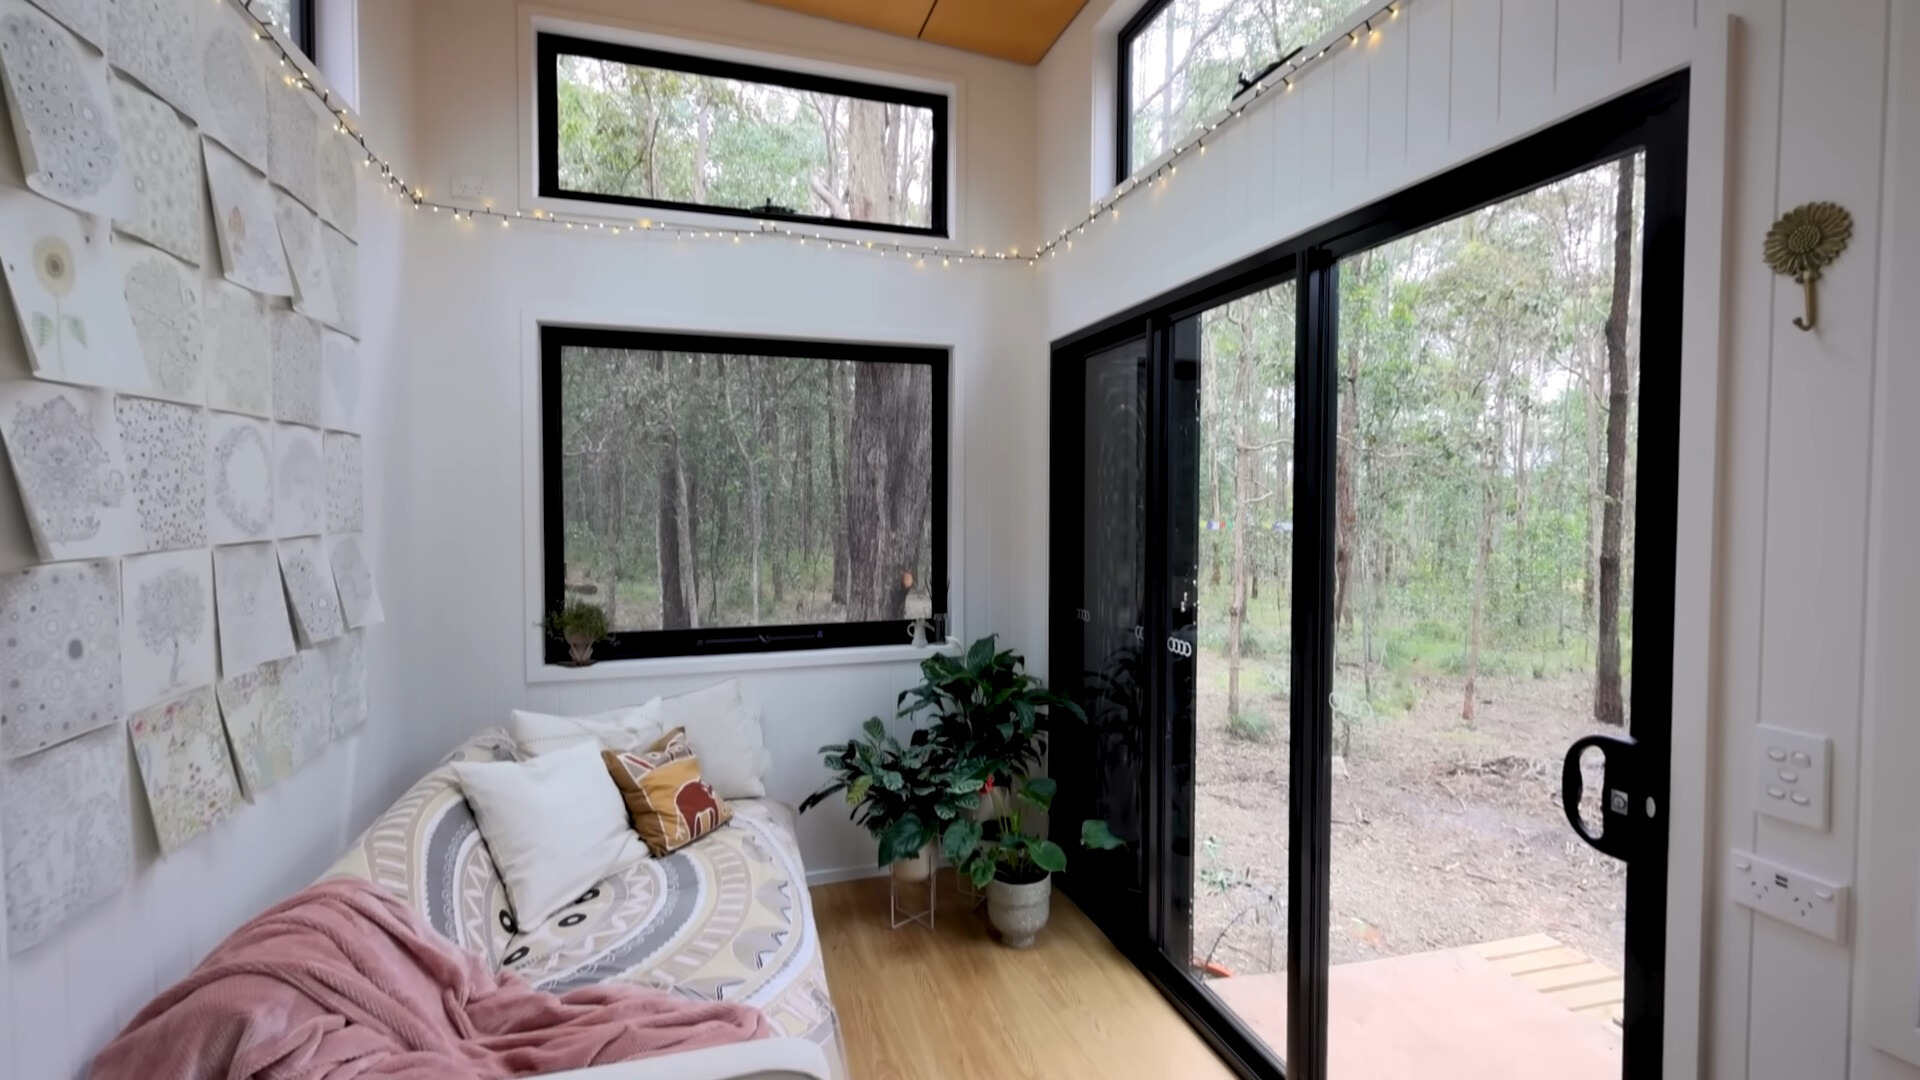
pixel 726 918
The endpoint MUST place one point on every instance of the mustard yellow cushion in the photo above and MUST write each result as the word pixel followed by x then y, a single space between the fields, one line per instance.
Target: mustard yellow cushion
pixel 671 806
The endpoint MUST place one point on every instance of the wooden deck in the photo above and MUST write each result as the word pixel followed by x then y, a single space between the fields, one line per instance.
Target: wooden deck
pixel 1519 1009
pixel 1566 976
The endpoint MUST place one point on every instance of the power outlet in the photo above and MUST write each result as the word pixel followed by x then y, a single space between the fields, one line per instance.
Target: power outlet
pixel 1790 770
pixel 1818 907
pixel 471 187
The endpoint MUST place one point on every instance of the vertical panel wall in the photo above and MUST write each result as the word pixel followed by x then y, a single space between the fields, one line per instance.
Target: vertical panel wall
pixel 1799 96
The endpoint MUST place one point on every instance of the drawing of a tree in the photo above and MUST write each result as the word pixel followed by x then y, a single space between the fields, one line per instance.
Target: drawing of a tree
pixel 173 614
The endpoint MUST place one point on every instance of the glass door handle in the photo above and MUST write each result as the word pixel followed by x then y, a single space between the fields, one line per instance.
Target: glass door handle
pixel 1616 802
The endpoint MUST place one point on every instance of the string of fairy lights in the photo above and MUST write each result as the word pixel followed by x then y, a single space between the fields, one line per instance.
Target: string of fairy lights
pixel 1364 26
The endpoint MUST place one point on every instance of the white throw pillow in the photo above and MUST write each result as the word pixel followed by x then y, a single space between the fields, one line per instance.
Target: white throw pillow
pixel 629 729
pixel 556 826
pixel 727 740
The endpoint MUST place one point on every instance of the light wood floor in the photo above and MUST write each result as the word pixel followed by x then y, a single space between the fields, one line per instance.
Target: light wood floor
pixel 920 1004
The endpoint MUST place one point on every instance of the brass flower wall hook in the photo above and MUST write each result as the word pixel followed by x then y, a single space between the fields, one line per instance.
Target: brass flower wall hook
pixel 1805 241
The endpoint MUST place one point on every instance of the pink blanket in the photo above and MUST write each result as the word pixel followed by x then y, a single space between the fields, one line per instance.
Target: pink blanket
pixel 344 981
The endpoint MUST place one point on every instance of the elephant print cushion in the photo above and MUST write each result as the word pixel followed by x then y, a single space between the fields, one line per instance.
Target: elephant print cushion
pixel 670 804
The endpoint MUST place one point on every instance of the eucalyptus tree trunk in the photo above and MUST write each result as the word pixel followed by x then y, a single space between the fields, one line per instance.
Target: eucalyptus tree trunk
pixel 889 489
pixel 1243 459
pixel 679 606
pixel 1608 707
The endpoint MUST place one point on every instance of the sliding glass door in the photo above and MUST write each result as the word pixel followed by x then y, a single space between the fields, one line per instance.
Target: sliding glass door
pixel 1386 705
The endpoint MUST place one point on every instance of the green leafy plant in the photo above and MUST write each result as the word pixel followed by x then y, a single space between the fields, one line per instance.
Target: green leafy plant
pixel 905 795
pixel 1011 854
pixel 581 625
pixel 983 704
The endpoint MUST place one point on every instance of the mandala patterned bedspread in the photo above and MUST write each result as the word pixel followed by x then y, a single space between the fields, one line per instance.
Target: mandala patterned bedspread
pixel 727 918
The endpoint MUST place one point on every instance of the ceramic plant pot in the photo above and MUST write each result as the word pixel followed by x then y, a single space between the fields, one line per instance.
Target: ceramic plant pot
pixel 580 647
pixel 915 868
pixel 1019 911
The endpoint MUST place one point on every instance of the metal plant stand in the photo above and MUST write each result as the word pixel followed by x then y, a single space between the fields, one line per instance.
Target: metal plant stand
pixel 899 890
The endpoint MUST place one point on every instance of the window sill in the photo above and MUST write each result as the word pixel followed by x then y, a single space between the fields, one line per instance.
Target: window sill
pixel 736 664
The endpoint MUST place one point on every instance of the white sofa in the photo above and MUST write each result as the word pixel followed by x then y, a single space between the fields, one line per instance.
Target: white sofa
pixel 726 918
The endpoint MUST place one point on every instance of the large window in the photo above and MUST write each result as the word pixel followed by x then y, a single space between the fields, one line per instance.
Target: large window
pixel 1183 60
pixel 718 495
pixel 641 127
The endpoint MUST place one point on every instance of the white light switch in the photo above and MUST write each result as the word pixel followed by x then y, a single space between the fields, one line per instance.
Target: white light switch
pixel 1790 775
pixel 1818 907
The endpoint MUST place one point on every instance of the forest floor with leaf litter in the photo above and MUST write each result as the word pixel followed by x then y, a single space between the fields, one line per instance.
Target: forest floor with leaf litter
pixel 1446 832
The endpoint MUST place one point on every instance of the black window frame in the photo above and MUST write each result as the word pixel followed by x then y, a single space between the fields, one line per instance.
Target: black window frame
pixel 1123 88
pixel 732 640
pixel 303 28
pixel 549 47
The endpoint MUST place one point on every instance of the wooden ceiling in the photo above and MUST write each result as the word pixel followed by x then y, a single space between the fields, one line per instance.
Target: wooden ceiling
pixel 1018 30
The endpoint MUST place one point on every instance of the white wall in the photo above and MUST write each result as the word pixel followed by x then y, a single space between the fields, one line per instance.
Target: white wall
pixel 476 288
pixel 61 1001
pixel 1781 437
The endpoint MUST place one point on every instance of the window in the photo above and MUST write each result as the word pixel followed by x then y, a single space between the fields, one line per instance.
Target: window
pixel 293 16
pixel 640 127
pixel 1183 60
pixel 726 495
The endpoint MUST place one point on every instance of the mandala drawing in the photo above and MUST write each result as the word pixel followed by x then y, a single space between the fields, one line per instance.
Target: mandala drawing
pixel 344 501
pixel 293 138
pixel 299 482
pixel 359 600
pixel 166 450
pixel 185 767
pixel 166 629
pixel 240 351
pixel 316 604
pixel 250 250
pixel 169 174
pixel 163 296
pixel 65 448
pixel 67 827
pixel 259 727
pixel 88 18
pixel 233 85
pixel 63 115
pixel 59 654
pixel 340 382
pixel 346 658
pixel 153 41
pixel 343 273
pixel 307 698
pixel 251 607
pixel 296 368
pixel 69 293
pixel 239 479
pixel 340 162
pixel 300 237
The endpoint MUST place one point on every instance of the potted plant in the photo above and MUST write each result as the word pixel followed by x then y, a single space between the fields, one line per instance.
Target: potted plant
pixel 908 796
pixel 986 706
pixel 1017 868
pixel 983 704
pixel 582 626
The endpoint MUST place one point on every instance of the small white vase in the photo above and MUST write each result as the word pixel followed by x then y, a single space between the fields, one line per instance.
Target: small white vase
pixel 916 867
pixel 1019 911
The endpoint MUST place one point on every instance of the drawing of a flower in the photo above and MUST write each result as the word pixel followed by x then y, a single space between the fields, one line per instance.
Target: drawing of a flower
pixel 53 262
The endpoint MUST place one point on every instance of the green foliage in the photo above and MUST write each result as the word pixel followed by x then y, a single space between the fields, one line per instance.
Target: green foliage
pixel 985 709
pixel 983 704
pixel 580 622
pixel 1249 726
pixel 906 796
